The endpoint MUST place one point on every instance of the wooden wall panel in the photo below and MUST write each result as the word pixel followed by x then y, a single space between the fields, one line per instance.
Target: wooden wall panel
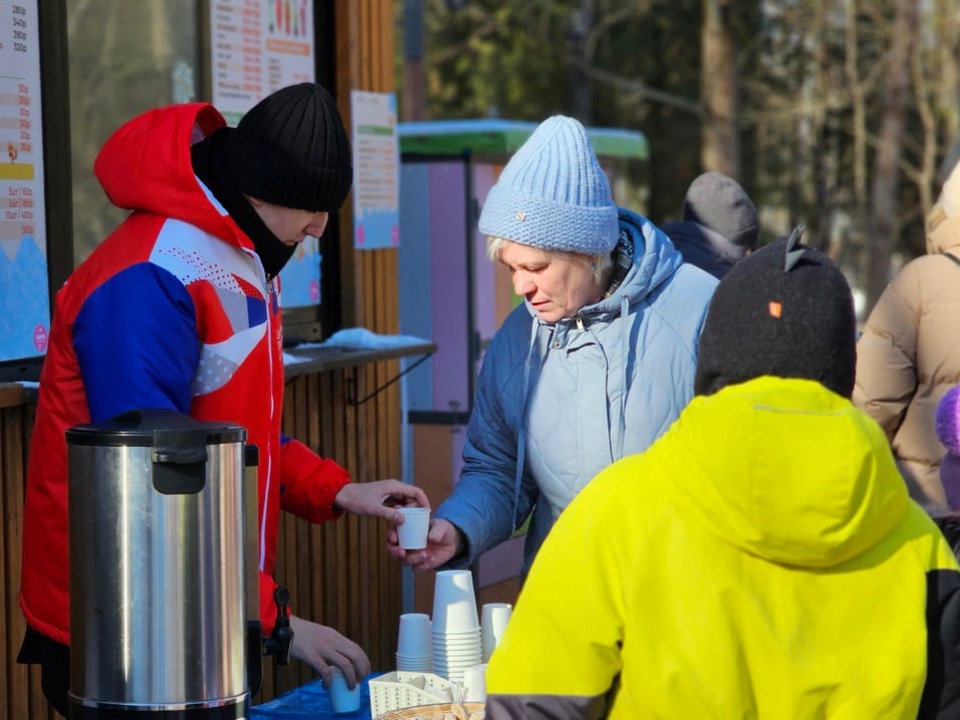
pixel 338 573
pixel 365 52
pixel 341 571
pixel 7 592
pixel 14 466
pixel 21 696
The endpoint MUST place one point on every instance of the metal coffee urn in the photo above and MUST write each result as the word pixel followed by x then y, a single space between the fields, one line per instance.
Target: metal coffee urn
pixel 164 617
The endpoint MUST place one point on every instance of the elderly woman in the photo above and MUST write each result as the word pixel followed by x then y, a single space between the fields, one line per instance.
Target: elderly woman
pixel 595 365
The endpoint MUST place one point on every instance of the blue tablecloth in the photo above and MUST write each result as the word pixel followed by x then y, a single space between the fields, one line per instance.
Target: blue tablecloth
pixel 311 701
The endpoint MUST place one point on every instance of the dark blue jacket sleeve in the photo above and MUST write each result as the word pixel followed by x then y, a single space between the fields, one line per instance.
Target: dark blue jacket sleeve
pixel 941 690
pixel 136 343
pixel 482 502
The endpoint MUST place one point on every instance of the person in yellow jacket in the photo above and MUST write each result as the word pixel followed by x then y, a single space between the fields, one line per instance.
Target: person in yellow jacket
pixel 762 559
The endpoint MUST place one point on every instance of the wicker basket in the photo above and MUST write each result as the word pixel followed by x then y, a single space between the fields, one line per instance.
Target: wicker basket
pixel 468 711
pixel 398 690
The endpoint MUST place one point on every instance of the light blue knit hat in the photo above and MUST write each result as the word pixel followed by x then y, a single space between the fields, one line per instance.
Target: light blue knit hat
pixel 552 194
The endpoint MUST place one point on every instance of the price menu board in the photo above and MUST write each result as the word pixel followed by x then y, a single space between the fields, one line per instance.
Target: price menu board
pixel 258 46
pixel 24 300
pixel 376 170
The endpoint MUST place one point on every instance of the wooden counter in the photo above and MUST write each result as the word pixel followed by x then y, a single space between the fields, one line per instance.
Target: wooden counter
pixel 344 404
pixel 14 394
pixel 302 360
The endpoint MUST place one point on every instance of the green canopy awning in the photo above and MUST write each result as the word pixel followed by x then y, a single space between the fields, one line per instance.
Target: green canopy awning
pixel 503 137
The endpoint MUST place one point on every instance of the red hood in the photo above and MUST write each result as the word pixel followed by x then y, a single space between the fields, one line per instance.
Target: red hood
pixel 145 165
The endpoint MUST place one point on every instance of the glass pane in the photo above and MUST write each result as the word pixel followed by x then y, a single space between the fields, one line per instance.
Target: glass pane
pixel 125 58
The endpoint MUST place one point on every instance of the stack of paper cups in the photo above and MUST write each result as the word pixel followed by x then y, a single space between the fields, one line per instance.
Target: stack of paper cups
pixel 456 626
pixel 492 626
pixel 414 647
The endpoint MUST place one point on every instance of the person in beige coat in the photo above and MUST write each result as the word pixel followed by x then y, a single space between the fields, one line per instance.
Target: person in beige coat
pixel 909 353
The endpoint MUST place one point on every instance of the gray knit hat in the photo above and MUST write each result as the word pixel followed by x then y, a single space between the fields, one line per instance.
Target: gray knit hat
pixel 553 194
pixel 719 203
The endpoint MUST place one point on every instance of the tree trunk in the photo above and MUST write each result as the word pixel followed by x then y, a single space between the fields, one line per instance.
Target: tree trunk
pixel 720 148
pixel 858 108
pixel 581 85
pixel 947 23
pixel 890 147
pixel 414 79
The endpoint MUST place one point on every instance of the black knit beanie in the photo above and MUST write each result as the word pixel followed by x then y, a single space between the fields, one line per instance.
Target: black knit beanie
pixel 785 310
pixel 291 149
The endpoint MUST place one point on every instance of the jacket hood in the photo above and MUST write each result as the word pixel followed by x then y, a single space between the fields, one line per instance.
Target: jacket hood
pixel 146 166
pixel 703 247
pixel 943 220
pixel 787 471
pixel 943 232
pixel 655 259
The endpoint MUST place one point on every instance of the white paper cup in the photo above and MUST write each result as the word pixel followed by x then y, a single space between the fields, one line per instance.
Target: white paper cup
pixel 454 604
pixel 343 699
pixel 475 683
pixel 493 623
pixel 414 640
pixel 419 665
pixel 413 533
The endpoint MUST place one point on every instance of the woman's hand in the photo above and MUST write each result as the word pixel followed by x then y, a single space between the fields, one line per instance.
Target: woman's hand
pixel 444 542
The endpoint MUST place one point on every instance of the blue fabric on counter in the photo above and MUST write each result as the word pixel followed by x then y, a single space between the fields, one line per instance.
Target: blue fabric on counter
pixel 354 338
pixel 311 701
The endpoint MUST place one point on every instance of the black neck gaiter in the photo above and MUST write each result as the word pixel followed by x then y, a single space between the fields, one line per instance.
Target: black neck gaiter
pixel 206 156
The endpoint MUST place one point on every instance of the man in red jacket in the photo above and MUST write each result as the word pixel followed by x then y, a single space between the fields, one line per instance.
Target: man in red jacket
pixel 179 309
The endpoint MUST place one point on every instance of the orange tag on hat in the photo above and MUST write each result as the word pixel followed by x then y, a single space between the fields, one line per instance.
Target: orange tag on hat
pixel 775 309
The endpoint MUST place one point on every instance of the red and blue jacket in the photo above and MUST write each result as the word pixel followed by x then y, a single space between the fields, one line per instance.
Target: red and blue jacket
pixel 173 310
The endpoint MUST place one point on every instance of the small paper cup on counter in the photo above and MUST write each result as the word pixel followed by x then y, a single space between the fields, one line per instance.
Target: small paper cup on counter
pixel 342 698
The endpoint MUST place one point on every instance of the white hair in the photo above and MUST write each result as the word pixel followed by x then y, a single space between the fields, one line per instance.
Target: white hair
pixel 598 263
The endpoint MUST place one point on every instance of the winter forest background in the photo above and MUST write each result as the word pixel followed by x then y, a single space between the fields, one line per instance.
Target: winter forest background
pixel 840 114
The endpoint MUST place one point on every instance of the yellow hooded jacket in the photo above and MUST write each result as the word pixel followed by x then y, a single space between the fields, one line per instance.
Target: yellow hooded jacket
pixel 761 560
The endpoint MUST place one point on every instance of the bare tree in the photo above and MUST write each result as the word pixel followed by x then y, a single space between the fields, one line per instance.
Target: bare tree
pixel 934 74
pixel 858 108
pixel 808 101
pixel 720 134
pixel 581 89
pixel 884 205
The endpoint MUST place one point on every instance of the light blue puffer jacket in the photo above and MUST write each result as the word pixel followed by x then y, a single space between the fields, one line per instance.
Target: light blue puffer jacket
pixel 593 389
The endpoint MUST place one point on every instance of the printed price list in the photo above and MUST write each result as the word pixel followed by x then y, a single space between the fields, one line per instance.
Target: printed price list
pixel 24 306
pixel 238 50
pixel 18 125
pixel 258 46
pixel 18 32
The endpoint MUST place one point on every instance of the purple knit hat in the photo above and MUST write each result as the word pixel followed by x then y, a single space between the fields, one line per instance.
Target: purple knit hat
pixel 948 430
